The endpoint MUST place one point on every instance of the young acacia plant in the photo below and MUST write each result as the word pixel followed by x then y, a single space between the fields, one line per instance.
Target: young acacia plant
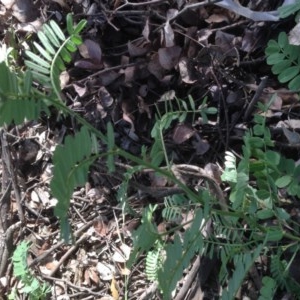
pixel 30 285
pixel 240 234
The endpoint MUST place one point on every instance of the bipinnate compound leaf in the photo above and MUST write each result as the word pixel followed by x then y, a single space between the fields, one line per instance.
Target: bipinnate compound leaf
pixel 153 263
pixel 145 236
pixel 31 286
pixel 71 165
pixel 19 259
pixel 54 52
pixel 242 263
pixel 179 254
pixel 16 92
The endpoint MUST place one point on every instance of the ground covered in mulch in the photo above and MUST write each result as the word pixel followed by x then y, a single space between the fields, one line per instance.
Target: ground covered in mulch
pixel 135 59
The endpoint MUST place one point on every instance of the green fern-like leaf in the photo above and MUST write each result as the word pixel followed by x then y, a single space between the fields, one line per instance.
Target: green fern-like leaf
pixel 56 50
pixel 230 172
pixel 31 285
pixel 153 262
pixel 18 101
pixel 145 236
pixel 19 259
pixel 278 269
pixel 285 60
pixel 173 207
pixel 71 164
pixel 179 255
pixel 110 145
pixel 242 263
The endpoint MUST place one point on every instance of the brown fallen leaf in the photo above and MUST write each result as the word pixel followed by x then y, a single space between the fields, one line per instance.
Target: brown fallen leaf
pixel 114 290
pixel 186 70
pixel 25 11
pixel 155 68
pixel 217 18
pixel 182 133
pixel 100 227
pixel 138 50
pixel 169 57
pixel 92 55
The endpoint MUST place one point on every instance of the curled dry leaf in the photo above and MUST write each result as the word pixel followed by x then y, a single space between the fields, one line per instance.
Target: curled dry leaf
pixel 292 136
pixel 100 227
pixel 172 13
pixel 276 103
pixel 293 123
pixel 217 18
pixel 225 41
pixel 28 150
pixel 157 180
pixel 186 71
pixel 64 78
pixel 168 36
pixel 146 30
pixel 3 282
pixel 202 146
pixel 51 266
pixel 155 68
pixel 203 35
pixel 33 26
pixel 25 10
pixel 92 54
pixel 108 77
pixel 80 89
pixel 127 117
pixel 182 133
pixel 39 195
pixel 167 96
pixel 114 289
pixel 144 107
pixel 232 97
pixel 91 274
pixel 106 99
pixel 126 250
pixel 294 35
pixel 122 255
pixel 138 50
pixel 252 40
pixel 62 3
pixel 162 227
pixel 91 50
pixel 213 171
pixel 86 276
pixel 143 90
pixel 106 271
pixel 8 3
pixel 169 57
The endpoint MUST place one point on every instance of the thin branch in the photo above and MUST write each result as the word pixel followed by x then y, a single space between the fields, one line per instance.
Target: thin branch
pixel 6 153
pixel 83 238
pixel 74 286
pixel 60 243
pixel 139 4
pixel 192 6
pixel 255 98
pixel 104 71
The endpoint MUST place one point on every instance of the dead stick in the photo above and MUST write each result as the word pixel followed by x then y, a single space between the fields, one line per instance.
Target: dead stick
pixel 255 98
